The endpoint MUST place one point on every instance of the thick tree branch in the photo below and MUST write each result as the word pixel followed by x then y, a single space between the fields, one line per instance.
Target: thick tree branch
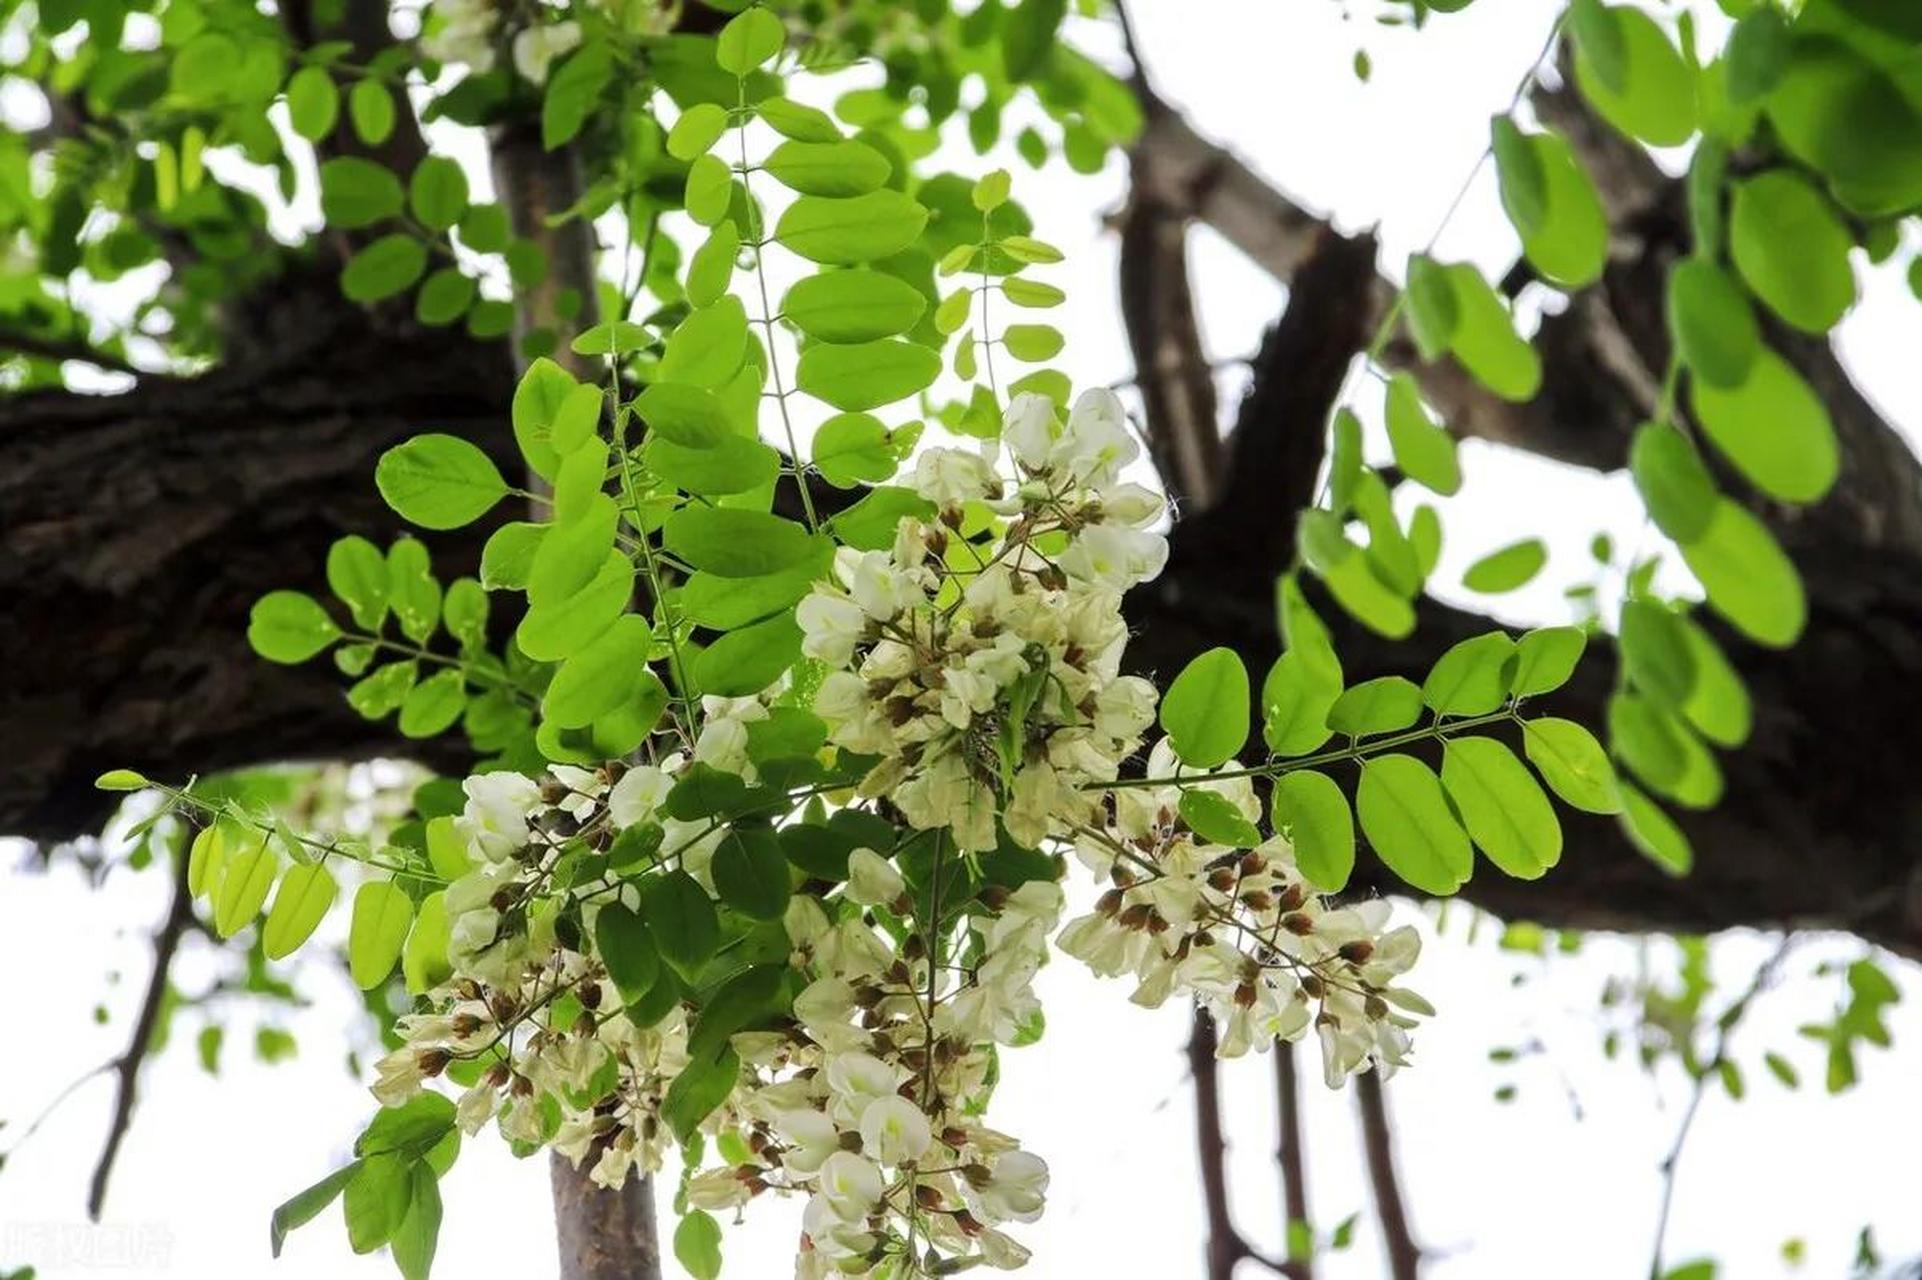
pixel 1378 1147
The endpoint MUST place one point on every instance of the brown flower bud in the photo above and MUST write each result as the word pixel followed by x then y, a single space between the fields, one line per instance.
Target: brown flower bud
pixel 1291 898
pixel 433 1061
pixel 1313 987
pixel 1358 951
pixel 1298 924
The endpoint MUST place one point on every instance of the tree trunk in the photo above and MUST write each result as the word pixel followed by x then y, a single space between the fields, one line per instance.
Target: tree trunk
pixel 604 1235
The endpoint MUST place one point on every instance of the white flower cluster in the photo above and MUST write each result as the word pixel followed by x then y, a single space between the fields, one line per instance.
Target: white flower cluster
pixel 538 1018
pixel 870 1105
pixel 984 670
pixel 463 34
pixel 1241 931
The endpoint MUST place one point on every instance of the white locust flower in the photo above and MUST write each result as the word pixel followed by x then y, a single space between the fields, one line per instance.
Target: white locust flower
pixel 536 47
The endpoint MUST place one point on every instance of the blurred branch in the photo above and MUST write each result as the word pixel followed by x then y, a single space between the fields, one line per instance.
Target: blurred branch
pixel 1378 1145
pixel 1226 1249
pixel 1291 1156
pixel 42 347
pixel 1765 976
pixel 166 943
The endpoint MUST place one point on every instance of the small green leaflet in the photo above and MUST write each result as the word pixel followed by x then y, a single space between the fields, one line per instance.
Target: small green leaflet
pixel 377 930
pixel 1410 826
pixel 439 481
pixel 1205 711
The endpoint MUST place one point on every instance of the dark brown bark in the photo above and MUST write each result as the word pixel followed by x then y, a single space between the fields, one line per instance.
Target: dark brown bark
pixel 136 532
pixel 1224 1245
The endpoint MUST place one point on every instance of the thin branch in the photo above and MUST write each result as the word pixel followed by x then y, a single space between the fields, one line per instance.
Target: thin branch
pixel 1378 1145
pixel 1225 1247
pixel 40 346
pixel 1291 1156
pixel 180 913
pixel 1724 1028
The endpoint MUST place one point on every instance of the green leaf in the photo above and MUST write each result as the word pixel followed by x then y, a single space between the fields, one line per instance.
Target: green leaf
pixel 574 92
pixel 853 306
pixel 854 229
pixel 1792 249
pixel 444 296
pixel 1634 77
pixel 796 120
pixel 303 1207
pixel 313 103
pixel 1485 340
pixel 748 660
pixel 1573 764
pixel 706 349
pixel 1656 653
pixel 1205 711
pixel 680 917
pixel 726 603
pixel 1471 678
pixel 570 555
pixel 1502 806
pixel 376 931
pixel 423 958
pixel 372 108
pixel 1434 313
pixel 437 193
pixel 869 524
pixel 1676 487
pixel 120 780
pixel 689 416
pixel 600 676
pixel 850 449
pixel 700 1087
pixel 439 481
pixel 1424 452
pixel 1552 204
pixel 733 464
pixel 289 627
pixel 1718 706
pixel 411 1130
pixel 244 882
pixel 384 268
pixel 1774 428
pixel 1714 326
pixel 866 375
pixel 709 191
pixel 1216 820
pixel 1855 121
pixel 1654 833
pixel 305 894
pixel 828 168
pixel 734 543
pixel 432 706
pixel 509 554
pixel 751 873
pixel 549 633
pixel 696 131
pixel 1032 342
pixel 1508 569
pixel 1545 659
pixel 357 193
pixel 711 268
pixel 1382 705
pixel 377 1199
pixel 1315 814
pixel 419 1230
pixel 543 389
pixel 1295 700
pixel 1407 820
pixel 748 41
pixel 697 1244
pixel 1748 578
pixel 1756 53
pixel 627 949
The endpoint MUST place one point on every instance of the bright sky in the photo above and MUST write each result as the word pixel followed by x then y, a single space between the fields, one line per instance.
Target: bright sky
pixel 1561 1181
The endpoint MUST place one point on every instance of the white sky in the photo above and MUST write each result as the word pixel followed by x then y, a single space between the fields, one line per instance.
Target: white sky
pixel 1496 1191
